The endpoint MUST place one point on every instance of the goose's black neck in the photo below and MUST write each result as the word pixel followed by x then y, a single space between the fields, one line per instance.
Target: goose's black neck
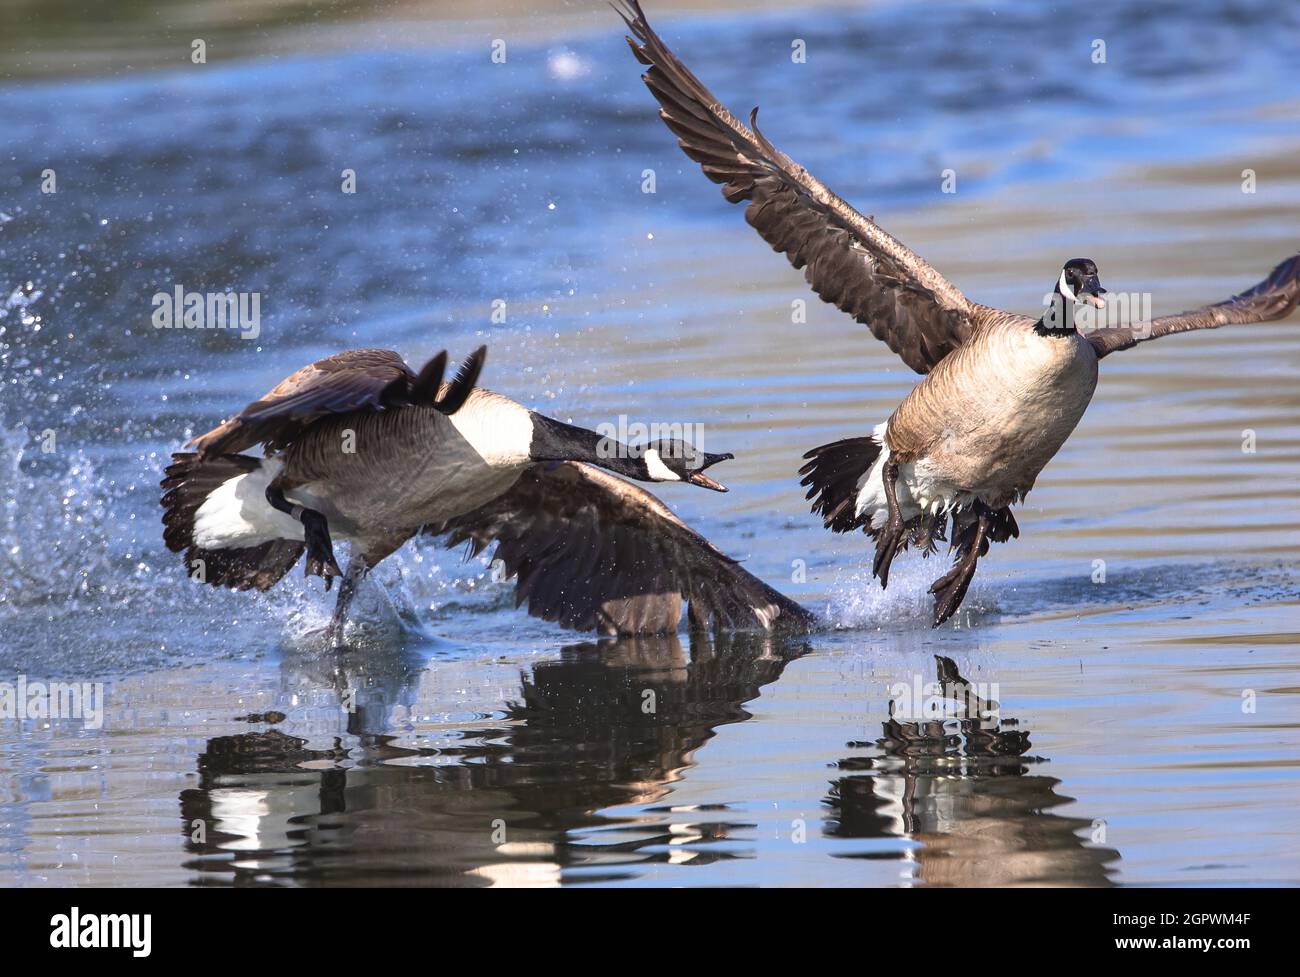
pixel 556 441
pixel 1057 319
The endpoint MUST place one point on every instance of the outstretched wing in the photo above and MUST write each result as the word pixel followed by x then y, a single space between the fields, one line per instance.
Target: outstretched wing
pixel 847 259
pixel 1273 298
pixel 356 379
pixel 593 552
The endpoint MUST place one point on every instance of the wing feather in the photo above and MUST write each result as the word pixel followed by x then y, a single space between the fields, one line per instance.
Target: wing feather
pixel 1273 298
pixel 354 380
pixel 593 552
pixel 847 258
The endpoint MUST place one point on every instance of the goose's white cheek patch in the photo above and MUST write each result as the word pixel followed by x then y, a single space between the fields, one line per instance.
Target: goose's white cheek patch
pixel 1065 289
pixel 657 469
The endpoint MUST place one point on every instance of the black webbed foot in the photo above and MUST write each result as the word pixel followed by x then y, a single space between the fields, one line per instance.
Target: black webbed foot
pixel 316 534
pixel 950 589
pixel 320 549
pixel 890 540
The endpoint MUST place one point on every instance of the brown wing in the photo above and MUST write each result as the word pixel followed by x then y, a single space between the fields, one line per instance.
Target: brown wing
pixel 847 259
pixel 351 380
pixel 1273 298
pixel 593 552
pixel 354 380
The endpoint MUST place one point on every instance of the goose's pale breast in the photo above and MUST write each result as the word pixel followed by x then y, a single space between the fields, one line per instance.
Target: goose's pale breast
pixel 994 413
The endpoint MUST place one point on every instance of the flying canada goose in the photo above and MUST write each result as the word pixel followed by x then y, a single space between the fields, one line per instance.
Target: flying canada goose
pixel 359 447
pixel 1003 391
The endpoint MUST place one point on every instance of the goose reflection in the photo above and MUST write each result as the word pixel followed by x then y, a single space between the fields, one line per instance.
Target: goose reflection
pixel 497 800
pixel 966 789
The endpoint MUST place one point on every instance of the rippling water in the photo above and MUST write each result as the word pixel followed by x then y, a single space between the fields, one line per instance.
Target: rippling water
pixel 1148 728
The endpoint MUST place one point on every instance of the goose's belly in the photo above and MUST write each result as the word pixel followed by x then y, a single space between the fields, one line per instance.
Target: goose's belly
pixel 377 508
pixel 420 468
pixel 994 437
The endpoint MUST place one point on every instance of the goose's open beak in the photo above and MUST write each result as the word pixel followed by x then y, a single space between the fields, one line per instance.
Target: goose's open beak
pixel 698 477
pixel 703 480
pixel 1092 293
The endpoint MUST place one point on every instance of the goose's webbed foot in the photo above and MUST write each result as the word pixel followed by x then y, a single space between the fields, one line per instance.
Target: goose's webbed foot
pixel 316 534
pixel 892 538
pixel 950 589
pixel 320 548
pixel 893 535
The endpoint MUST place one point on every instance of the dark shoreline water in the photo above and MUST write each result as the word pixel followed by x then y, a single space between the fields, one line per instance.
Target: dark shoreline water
pixel 761 763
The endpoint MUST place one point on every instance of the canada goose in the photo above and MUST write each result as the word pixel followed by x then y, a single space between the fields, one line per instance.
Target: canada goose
pixel 359 447
pixel 1003 391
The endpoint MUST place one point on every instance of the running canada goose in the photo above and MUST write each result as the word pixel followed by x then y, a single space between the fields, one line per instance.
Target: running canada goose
pixel 359 447
pixel 1002 392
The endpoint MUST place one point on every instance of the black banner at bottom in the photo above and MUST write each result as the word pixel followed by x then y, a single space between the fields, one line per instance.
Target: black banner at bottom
pixel 141 926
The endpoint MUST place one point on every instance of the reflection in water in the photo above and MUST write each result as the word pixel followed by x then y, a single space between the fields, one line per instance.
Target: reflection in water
pixel 608 723
pixel 963 788
pixel 519 796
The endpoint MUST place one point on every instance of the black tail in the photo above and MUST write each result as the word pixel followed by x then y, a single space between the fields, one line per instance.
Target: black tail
pixel 187 482
pixel 425 388
pixel 462 384
pixel 833 475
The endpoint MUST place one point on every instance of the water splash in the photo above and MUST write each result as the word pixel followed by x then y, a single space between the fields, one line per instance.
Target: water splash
pixel 50 508
pixel 856 600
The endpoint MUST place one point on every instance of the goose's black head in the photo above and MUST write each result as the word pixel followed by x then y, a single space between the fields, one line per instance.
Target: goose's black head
pixel 674 460
pixel 1079 283
pixel 666 460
